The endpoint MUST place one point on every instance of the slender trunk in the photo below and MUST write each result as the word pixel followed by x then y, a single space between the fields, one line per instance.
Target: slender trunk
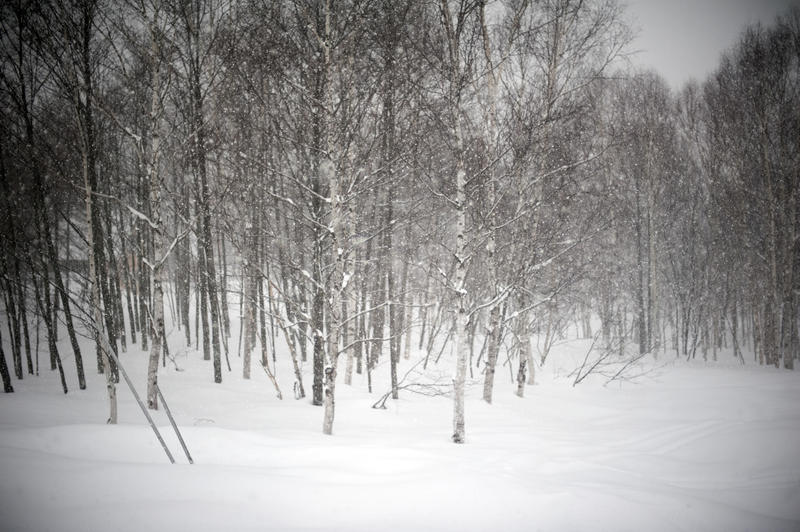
pixel 317 327
pixel 198 291
pixel 202 308
pixel 424 312
pixel 158 339
pixel 43 303
pixel 185 279
pixel 24 318
pixel 377 318
pixel 789 309
pixel 115 292
pixel 361 334
pixel 206 240
pixel 13 329
pixel 108 299
pixel 408 305
pixel 319 128
pixel 349 337
pixel 7 386
pixel 249 282
pixel 299 390
pixel 461 332
pixel 394 353
pixel 211 282
pixel 226 325
pixel 263 337
pixel 126 281
pixel 144 277
pixel 735 333
pixel 337 288
pixel 640 286
pixel 651 271
pixel 97 317
pixel 157 251
pixel 493 133
pixel 52 256
pixel 492 349
pixel 524 355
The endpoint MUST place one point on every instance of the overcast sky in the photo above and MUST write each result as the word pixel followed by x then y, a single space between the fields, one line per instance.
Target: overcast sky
pixel 683 39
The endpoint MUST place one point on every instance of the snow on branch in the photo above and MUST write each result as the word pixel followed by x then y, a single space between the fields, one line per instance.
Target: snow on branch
pixel 142 216
pixel 164 258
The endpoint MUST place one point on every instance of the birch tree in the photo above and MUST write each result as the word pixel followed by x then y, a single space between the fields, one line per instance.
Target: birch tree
pixel 459 27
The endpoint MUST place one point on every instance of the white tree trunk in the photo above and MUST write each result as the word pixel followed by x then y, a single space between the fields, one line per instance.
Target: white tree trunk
pixel 157 310
pixel 461 347
pixel 157 335
pixel 493 342
pixel 461 333
pixel 337 288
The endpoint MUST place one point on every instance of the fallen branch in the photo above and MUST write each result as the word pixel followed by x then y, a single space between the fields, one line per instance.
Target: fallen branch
pixel 428 390
pixel 433 389
pixel 579 377
pixel 608 365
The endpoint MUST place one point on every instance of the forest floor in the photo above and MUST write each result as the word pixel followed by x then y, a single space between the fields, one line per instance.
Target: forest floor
pixel 687 446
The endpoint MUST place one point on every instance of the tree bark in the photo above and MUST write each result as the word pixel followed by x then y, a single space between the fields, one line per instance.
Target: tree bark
pixel 7 386
pixel 158 252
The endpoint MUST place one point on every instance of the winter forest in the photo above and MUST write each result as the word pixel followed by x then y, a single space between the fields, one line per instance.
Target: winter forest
pixel 337 237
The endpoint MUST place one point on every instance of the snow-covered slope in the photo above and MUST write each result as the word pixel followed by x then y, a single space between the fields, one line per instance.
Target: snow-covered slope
pixel 689 447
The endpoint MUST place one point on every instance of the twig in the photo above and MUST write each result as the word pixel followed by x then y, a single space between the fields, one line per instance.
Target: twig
pixel 580 377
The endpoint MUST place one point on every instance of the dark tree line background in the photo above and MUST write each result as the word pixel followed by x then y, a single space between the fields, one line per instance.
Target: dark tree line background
pixel 371 177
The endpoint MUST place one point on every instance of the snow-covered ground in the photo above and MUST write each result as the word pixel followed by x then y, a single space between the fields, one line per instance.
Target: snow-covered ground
pixel 691 447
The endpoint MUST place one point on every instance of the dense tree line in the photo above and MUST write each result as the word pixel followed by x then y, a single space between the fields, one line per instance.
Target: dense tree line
pixel 371 177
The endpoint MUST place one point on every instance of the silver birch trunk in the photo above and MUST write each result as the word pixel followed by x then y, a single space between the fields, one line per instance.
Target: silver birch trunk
pixel 461 334
pixel 461 347
pixel 337 288
pixel 493 345
pixel 338 280
pixel 157 274
pixel 341 228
